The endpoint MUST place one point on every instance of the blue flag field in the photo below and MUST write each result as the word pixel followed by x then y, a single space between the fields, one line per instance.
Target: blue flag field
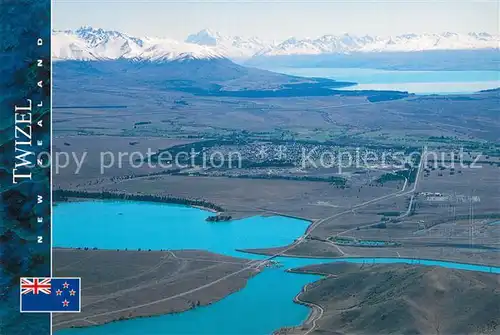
pixel 45 294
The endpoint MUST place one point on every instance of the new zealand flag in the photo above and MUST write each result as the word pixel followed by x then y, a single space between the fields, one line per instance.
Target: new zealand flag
pixel 39 295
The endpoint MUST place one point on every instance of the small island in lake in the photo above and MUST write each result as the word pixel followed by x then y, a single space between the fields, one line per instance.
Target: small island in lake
pixel 219 218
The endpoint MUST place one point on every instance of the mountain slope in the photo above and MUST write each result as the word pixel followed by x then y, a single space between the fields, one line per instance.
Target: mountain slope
pixel 201 76
pixel 403 299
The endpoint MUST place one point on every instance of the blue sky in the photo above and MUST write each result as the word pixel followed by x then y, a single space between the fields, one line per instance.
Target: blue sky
pixel 278 19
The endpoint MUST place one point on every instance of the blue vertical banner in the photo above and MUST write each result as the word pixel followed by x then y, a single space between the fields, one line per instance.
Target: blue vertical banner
pixel 25 121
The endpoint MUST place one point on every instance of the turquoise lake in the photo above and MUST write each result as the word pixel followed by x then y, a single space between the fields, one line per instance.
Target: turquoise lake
pixel 145 225
pixel 418 82
pixel 263 306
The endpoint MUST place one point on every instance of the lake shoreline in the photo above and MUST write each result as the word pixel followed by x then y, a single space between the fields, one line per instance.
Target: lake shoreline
pixel 316 310
pixel 419 82
pixel 62 196
pixel 203 299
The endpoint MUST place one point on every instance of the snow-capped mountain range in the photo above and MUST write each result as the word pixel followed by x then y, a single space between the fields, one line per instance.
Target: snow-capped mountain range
pixel 348 43
pixel 87 43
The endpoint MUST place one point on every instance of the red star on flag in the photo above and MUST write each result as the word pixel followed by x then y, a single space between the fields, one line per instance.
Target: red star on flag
pixel 65 303
pixel 65 285
pixel 58 292
pixel 72 292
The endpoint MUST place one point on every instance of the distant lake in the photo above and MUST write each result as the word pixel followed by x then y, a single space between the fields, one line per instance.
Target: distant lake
pixel 419 82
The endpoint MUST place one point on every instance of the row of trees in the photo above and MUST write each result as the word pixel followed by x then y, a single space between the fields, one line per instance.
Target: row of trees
pixel 64 195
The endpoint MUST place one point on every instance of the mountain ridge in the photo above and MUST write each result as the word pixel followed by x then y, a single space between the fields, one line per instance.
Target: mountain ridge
pixel 348 43
pixel 88 43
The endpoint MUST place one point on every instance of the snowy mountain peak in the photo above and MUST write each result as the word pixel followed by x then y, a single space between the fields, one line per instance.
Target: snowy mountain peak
pixel 230 46
pixel 204 37
pixel 88 43
pixel 95 37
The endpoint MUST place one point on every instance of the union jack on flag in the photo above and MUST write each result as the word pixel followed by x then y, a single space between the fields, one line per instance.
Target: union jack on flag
pixel 50 294
pixel 35 286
